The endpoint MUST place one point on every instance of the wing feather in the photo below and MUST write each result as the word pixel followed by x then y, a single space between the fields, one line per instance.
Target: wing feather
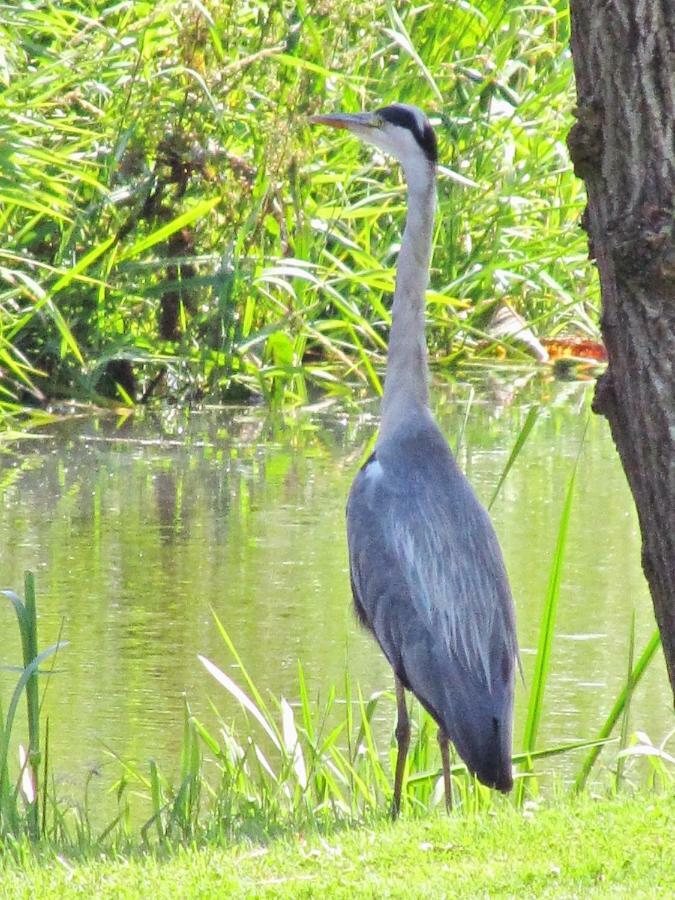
pixel 429 581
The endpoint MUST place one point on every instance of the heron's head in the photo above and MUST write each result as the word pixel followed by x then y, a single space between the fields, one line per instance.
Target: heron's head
pixel 402 131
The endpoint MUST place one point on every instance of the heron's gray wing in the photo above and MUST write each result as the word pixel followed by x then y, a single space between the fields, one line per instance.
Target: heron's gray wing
pixel 429 581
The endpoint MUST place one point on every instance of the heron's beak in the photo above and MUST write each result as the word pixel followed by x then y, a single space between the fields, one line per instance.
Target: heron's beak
pixel 352 122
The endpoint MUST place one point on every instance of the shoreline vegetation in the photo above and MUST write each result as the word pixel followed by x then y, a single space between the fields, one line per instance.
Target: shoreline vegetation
pixel 173 231
pixel 303 767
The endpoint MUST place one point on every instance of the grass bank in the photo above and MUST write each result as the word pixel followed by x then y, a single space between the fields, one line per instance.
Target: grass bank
pixel 589 848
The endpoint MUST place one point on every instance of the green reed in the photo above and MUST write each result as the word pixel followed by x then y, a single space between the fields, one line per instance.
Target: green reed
pixel 170 225
pixel 620 706
pixel 23 802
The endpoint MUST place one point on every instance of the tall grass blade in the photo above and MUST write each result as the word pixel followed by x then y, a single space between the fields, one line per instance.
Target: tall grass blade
pixel 518 758
pixel 161 234
pixel 29 777
pixel 29 672
pixel 400 34
pixel 464 423
pixel 241 697
pixel 156 798
pixel 45 773
pixel 292 743
pixel 255 693
pixel 523 434
pixel 546 631
pixel 616 711
pixel 29 640
pixel 625 716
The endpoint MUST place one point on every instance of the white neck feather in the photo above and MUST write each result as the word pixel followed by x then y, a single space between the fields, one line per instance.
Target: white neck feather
pixel 406 387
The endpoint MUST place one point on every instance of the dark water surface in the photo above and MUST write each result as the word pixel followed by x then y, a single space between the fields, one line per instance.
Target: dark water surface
pixel 135 529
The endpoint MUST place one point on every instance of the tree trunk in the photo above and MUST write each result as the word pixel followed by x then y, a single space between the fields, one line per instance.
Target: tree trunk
pixel 623 146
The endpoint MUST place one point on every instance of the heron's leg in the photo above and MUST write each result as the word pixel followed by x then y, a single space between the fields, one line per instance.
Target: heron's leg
pixel 403 741
pixel 445 759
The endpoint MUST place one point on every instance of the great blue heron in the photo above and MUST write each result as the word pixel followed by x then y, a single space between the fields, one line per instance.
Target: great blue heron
pixel 427 573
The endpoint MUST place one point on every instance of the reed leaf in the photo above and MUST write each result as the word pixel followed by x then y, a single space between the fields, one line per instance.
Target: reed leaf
pixel 242 698
pixel 634 677
pixel 546 631
pixel 528 424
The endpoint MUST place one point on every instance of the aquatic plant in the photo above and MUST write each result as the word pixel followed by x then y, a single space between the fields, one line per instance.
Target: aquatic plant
pixel 170 227
pixel 23 802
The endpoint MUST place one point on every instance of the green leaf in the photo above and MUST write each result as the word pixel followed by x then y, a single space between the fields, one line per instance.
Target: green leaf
pixel 186 218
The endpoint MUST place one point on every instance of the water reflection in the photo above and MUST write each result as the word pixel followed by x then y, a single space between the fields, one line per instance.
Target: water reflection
pixel 137 530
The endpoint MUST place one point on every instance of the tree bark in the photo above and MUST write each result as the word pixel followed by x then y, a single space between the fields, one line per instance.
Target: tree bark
pixel 623 146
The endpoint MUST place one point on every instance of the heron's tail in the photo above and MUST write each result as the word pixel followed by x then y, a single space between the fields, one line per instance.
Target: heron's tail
pixel 476 718
pixel 485 747
pixel 480 726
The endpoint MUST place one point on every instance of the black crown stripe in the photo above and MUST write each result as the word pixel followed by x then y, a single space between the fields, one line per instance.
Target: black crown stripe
pixel 404 118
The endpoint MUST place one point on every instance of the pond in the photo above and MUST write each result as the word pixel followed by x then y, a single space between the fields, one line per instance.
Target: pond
pixel 138 528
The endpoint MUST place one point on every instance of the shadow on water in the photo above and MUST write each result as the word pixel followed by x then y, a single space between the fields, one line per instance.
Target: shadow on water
pixel 136 528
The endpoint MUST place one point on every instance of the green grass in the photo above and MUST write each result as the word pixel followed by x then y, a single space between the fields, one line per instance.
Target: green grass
pixel 590 848
pixel 170 226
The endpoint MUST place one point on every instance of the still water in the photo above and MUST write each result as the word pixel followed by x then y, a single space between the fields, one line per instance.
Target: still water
pixel 138 528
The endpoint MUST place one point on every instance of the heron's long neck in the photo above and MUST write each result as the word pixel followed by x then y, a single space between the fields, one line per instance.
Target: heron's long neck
pixel 406 383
